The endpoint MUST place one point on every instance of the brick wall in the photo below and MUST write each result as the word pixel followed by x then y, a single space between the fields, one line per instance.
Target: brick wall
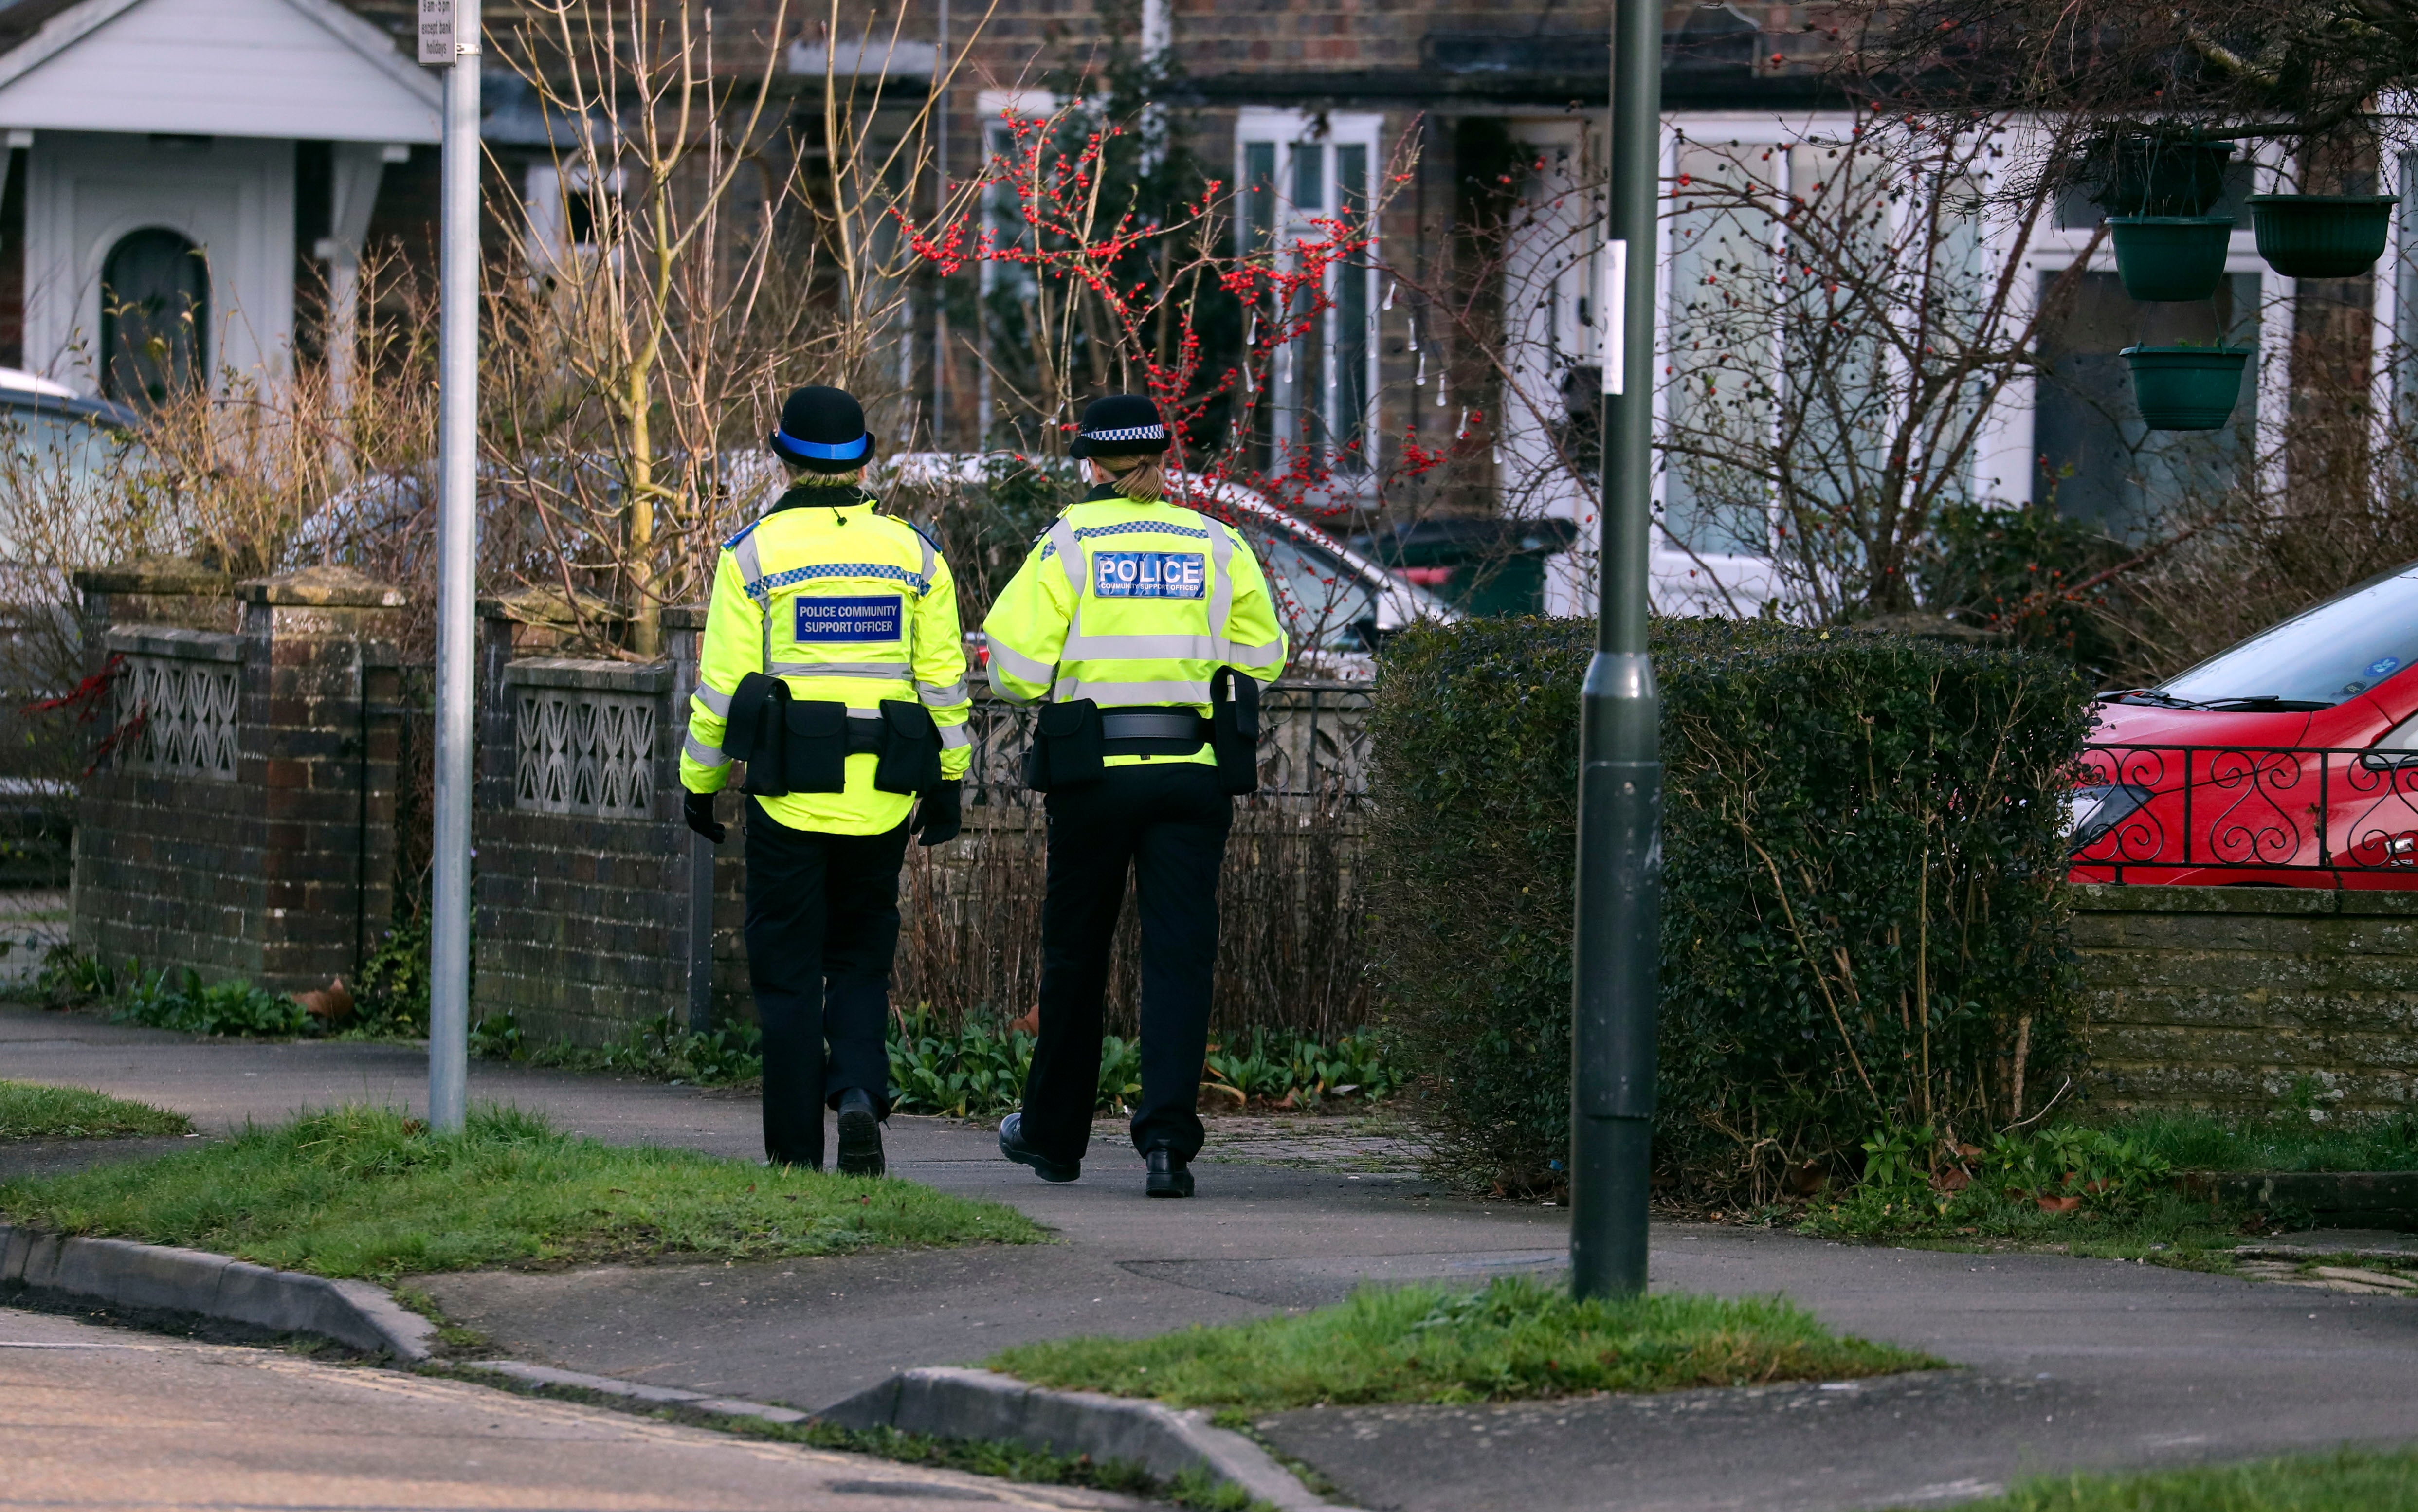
pixel 597 908
pixel 2227 997
pixel 241 822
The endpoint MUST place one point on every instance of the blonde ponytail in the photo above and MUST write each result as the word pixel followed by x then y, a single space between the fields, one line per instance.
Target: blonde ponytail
pixel 1141 479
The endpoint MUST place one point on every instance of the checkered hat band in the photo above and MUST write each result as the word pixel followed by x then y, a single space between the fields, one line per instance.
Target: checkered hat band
pixel 1130 433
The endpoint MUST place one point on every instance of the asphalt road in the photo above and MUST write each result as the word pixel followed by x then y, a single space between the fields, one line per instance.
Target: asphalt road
pixel 95 1417
pixel 2066 1364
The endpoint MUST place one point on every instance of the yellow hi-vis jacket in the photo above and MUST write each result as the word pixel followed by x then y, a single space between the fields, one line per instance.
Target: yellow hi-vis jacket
pixel 1132 605
pixel 845 605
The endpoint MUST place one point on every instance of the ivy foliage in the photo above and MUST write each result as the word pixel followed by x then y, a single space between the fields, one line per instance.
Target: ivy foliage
pixel 1863 919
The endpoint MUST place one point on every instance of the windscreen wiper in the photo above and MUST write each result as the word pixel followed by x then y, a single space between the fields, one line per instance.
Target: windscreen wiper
pixel 2148 695
pixel 2262 703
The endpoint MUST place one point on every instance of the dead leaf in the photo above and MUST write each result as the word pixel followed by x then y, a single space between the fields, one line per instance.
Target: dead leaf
pixel 1951 1180
pixel 2060 1204
pixel 331 1004
pixel 1030 1023
pixel 1808 1177
pixel 1221 1090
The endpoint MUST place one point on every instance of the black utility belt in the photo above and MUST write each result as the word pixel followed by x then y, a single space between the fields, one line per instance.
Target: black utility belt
pixel 1073 740
pixel 800 745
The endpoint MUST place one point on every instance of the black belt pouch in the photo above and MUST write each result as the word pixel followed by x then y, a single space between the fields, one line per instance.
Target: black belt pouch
pixel 818 747
pixel 1066 747
pixel 909 761
pixel 1235 730
pixel 756 732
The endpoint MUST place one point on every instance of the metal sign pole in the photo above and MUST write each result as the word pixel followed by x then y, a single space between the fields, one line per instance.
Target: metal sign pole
pixel 1616 959
pixel 449 30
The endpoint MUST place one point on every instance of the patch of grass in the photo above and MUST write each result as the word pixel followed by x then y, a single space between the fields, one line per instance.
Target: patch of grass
pixel 2350 1481
pixel 1514 1339
pixel 31 1111
pixel 366 1192
pixel 2287 1140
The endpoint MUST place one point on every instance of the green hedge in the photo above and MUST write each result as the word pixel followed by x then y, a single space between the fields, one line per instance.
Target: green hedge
pixel 1863 912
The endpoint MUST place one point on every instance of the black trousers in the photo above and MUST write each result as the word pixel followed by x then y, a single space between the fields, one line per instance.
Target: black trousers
pixel 822 930
pixel 1168 823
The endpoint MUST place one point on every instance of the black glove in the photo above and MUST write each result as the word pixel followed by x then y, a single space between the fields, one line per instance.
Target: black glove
pixel 938 815
pixel 697 808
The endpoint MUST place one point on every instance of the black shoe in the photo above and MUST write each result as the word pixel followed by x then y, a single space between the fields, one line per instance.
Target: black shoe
pixel 859 1136
pixel 1169 1175
pixel 1012 1145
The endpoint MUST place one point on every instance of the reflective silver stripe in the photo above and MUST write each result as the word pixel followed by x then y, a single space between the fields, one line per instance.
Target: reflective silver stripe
pixel 1221 593
pixel 887 671
pixel 1070 554
pixel 1004 655
pixel 940 697
pixel 713 700
pixel 751 566
pixel 955 738
pixel 998 683
pixel 1082 647
pixel 1174 691
pixel 928 559
pixel 1254 654
pixel 704 754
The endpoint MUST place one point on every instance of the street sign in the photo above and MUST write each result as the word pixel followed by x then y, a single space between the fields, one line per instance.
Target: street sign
pixel 436 36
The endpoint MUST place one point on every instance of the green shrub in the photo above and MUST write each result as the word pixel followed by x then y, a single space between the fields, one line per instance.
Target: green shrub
pixel 190 1007
pixel 1862 914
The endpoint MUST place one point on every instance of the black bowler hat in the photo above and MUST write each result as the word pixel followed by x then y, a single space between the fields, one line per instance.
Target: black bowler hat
pixel 823 430
pixel 1119 425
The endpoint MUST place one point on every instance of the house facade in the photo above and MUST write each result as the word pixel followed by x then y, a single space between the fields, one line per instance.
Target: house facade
pixel 191 182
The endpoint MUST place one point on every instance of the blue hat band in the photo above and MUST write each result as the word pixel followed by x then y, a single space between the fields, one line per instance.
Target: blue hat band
pixel 848 452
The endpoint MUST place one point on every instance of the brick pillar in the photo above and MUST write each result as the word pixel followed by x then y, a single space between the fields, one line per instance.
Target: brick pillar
pixel 323 732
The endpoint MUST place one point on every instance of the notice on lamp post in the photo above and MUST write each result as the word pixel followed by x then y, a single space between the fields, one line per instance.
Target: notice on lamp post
pixel 436 35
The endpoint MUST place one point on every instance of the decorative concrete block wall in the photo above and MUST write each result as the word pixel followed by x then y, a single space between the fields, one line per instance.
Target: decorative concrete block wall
pixel 2228 997
pixel 239 819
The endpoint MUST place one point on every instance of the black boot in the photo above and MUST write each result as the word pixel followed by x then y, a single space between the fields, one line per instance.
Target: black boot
pixel 1169 1175
pixel 859 1136
pixel 1012 1145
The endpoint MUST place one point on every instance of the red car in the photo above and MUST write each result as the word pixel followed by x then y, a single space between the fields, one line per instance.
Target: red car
pixel 2290 759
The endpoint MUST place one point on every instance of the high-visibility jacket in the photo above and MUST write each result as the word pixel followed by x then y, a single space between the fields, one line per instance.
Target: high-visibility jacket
pixel 1132 605
pixel 844 606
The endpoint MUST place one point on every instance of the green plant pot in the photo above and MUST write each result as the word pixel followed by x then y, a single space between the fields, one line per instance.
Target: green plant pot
pixel 2168 257
pixel 2186 387
pixel 2323 235
pixel 2140 175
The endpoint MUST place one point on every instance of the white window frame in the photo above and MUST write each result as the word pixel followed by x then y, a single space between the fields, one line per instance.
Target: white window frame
pixel 1291 133
pixel 546 196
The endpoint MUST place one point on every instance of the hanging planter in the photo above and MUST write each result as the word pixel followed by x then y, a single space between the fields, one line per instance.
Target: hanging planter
pixel 2186 387
pixel 2152 177
pixel 2321 235
pixel 2168 257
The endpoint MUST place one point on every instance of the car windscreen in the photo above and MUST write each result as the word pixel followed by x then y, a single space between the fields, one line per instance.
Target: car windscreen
pixel 61 476
pixel 1319 597
pixel 2317 658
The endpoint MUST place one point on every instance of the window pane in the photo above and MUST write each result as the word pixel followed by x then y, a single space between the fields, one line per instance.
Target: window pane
pixel 1351 327
pixel 1258 194
pixel 1721 335
pixel 2098 463
pixel 1308 176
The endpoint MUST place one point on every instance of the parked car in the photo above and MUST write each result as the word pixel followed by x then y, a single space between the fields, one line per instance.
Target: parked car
pixel 1339 605
pixel 2290 759
pixel 62 453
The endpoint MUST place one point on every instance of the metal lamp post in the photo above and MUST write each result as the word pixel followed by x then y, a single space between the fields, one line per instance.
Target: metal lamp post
pixel 449 37
pixel 1617 954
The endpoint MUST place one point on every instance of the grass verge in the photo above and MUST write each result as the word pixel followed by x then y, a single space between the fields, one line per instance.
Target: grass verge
pixel 977 1456
pixel 1516 1339
pixel 2350 1481
pixel 31 1111
pixel 366 1192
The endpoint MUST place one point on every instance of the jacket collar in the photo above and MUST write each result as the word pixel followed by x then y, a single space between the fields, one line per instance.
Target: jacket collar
pixel 1103 491
pixel 806 495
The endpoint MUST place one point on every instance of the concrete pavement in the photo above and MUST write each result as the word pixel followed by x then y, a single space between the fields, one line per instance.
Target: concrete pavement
pixel 2070 1362
pixel 103 1418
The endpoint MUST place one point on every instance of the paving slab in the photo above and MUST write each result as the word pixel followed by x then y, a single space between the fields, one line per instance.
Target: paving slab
pixel 102 1417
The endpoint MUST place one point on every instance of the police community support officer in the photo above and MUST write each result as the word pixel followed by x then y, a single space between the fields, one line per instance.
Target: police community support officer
pixel 1130 619
pixel 834 667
